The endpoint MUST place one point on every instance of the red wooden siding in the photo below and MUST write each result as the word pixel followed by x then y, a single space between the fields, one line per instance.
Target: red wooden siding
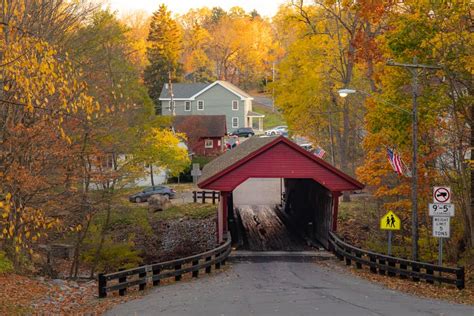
pixel 281 161
pixel 198 147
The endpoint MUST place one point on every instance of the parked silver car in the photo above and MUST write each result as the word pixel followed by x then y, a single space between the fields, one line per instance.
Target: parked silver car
pixel 279 130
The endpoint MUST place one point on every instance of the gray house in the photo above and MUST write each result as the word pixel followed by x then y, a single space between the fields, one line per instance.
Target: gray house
pixel 217 98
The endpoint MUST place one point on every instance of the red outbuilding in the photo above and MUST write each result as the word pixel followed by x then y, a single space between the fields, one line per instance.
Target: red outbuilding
pixel 312 186
pixel 205 133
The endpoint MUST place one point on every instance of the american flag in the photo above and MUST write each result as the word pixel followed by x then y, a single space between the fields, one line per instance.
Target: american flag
pixel 319 152
pixel 397 164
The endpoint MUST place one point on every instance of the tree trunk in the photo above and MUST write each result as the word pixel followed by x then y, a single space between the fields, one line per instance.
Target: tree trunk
pixel 102 239
pixel 151 175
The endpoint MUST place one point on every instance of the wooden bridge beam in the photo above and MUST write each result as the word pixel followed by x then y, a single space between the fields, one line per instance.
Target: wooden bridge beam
pixel 335 206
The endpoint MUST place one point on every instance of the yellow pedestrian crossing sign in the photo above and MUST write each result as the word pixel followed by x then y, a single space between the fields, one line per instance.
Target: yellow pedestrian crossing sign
pixel 390 221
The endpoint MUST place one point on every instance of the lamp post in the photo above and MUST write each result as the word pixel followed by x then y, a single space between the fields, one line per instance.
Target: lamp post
pixel 414 70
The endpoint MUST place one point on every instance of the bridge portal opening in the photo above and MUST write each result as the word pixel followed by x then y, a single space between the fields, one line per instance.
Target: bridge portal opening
pixel 268 214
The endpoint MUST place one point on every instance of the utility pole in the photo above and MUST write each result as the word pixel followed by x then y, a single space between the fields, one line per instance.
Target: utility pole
pixel 273 86
pixel 415 71
pixel 170 87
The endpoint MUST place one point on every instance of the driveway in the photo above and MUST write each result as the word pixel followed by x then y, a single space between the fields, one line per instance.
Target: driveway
pixel 283 288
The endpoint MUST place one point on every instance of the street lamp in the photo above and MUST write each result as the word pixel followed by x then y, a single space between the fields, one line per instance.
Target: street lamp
pixel 345 92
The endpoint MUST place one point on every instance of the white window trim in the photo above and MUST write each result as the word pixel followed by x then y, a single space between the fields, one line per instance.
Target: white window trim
pixel 206 144
pixel 237 102
pixel 190 106
pixel 235 125
pixel 202 105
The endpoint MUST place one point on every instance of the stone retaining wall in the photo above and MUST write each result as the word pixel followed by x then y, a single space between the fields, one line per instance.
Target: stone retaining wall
pixel 184 237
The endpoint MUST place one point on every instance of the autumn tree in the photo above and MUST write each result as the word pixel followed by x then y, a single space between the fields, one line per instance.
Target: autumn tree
pixel 444 102
pixel 41 92
pixel 164 52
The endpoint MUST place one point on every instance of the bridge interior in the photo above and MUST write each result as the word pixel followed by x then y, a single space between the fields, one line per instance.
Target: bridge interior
pixel 261 218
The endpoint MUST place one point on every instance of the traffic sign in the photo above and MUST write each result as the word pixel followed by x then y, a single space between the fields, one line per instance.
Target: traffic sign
pixel 441 226
pixel 442 195
pixel 439 209
pixel 390 221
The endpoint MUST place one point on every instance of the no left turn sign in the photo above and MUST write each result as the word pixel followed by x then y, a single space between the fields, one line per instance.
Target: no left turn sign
pixel 441 195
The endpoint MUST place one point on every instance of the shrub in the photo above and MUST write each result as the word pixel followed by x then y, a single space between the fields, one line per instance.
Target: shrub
pixel 5 264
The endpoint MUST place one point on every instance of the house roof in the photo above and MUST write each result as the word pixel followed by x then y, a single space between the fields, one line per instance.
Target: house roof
pixel 182 90
pixel 234 88
pixel 253 149
pixel 254 114
pixel 189 91
pixel 200 125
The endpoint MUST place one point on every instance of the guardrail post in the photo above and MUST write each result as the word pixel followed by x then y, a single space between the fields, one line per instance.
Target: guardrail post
pixel 176 268
pixel 218 264
pixel 208 269
pixel 391 264
pixel 195 197
pixel 373 268
pixel 403 267
pixel 102 285
pixel 460 278
pixel 348 261
pixel 195 272
pixel 381 269
pixel 122 280
pixel 142 285
pixel 155 271
pixel 415 269
pixel 429 272
pixel 203 197
pixel 358 264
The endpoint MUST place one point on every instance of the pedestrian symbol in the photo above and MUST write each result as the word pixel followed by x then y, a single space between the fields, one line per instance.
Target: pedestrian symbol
pixel 390 221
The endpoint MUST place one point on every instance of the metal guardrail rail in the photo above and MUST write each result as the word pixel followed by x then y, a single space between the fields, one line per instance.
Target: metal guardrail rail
pixel 392 266
pixel 154 273
pixel 204 195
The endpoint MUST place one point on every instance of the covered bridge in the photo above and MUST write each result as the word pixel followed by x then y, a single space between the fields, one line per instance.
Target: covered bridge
pixel 312 186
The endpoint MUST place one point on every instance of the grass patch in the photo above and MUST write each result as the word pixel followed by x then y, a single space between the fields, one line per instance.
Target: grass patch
pixel 183 187
pixel 189 210
pixel 271 119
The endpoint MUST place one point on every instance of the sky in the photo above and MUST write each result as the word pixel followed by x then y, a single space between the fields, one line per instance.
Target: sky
pixel 264 7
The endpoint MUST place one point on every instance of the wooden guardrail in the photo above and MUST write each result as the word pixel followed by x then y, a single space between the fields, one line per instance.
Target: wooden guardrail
pixel 203 195
pixel 154 273
pixel 393 266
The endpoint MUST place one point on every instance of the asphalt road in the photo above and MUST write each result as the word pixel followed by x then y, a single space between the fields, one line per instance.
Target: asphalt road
pixel 283 288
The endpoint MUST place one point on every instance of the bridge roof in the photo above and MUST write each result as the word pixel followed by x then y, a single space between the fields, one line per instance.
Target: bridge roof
pixel 272 157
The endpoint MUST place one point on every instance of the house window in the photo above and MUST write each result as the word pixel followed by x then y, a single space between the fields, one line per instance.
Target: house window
pixel 235 105
pixel 235 122
pixel 171 104
pixel 187 105
pixel 209 143
pixel 200 106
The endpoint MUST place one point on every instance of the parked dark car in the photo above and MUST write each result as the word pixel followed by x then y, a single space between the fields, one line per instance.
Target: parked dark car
pixel 145 194
pixel 243 132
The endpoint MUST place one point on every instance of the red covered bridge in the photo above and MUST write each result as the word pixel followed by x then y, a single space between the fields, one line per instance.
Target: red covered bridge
pixel 312 186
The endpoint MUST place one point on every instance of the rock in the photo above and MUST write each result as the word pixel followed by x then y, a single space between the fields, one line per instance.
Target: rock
pixel 58 282
pixel 158 203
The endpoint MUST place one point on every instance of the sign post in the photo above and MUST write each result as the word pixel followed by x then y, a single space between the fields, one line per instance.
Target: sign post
pixel 441 210
pixel 196 172
pixel 390 222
